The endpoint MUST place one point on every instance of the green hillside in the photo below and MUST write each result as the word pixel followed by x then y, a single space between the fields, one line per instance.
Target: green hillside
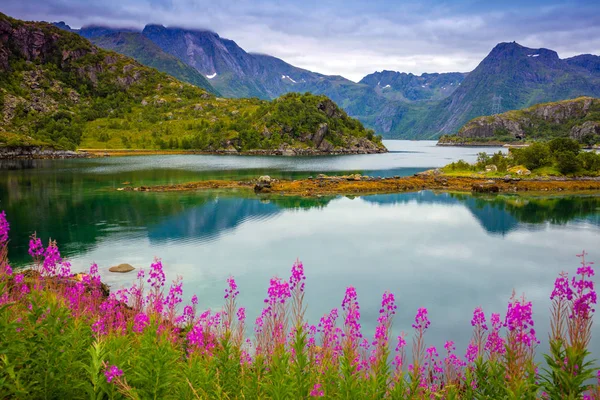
pixel 578 119
pixel 56 88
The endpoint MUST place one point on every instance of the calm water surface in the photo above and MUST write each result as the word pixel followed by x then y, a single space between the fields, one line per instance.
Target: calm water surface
pixel 447 252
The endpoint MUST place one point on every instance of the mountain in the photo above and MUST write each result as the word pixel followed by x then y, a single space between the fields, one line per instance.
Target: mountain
pixel 395 104
pixel 408 87
pixel 578 119
pixel 56 88
pixel 135 45
pixel 512 77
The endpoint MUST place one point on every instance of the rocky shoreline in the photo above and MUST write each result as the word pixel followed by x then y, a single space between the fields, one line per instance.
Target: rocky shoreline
pixel 287 152
pixel 361 185
pixel 37 152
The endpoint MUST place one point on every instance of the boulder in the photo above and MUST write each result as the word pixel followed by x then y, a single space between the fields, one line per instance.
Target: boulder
pixel 491 168
pixel 519 170
pixel 478 188
pixel 122 268
pixel 264 179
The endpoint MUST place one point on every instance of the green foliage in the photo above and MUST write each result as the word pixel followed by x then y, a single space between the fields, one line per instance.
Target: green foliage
pixel 560 145
pixel 534 156
pixel 566 162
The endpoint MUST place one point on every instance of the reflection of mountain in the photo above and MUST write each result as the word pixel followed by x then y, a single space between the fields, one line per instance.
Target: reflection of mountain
pixel 502 214
pixel 210 220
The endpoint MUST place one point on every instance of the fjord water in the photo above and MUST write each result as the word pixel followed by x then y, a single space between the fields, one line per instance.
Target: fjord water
pixel 447 252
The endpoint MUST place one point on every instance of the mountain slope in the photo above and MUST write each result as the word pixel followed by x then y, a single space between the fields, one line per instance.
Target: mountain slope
pixel 511 77
pixel 143 50
pixel 133 44
pixel 57 88
pixel 408 87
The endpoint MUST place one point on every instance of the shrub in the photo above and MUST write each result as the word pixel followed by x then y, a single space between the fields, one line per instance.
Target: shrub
pixel 589 160
pixel 567 162
pixel 534 156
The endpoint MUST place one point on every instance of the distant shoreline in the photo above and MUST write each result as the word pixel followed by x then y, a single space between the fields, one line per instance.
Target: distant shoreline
pixel 31 153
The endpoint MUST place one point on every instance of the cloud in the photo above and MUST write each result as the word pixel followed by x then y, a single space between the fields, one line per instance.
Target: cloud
pixel 352 38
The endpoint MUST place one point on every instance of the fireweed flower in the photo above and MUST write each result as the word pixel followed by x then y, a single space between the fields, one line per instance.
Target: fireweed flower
pixel 157 276
pixel 140 322
pixel 421 319
pixel 231 290
pixel 112 373
pixel 352 316
pixel 4 228
pixel 495 344
pixel 317 391
pixel 241 314
pixel 519 322
pixel 298 278
pixel 471 353
pixel 36 249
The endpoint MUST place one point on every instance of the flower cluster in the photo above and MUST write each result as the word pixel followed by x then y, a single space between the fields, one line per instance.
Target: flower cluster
pixel 112 372
pixel 4 228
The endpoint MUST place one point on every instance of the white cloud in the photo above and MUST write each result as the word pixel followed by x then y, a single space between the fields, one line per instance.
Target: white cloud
pixel 351 39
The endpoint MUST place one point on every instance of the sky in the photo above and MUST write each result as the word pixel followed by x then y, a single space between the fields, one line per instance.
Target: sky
pixel 352 38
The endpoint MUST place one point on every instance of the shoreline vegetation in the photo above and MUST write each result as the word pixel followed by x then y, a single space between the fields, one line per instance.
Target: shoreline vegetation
pixel 355 184
pixel 64 335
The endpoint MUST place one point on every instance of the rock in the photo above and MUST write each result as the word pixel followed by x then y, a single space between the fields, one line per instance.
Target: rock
pixel 262 187
pixel 491 168
pixel 519 170
pixel 588 128
pixel 264 179
pixel 355 177
pixel 321 176
pixel 490 181
pixel 319 135
pixel 122 268
pixel 325 146
pixel 198 107
pixel 507 178
pixel 478 188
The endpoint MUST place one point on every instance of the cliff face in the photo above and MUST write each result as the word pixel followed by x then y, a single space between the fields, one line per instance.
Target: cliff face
pixel 578 118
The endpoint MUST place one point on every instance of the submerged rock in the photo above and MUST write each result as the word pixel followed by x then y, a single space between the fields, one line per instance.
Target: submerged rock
pixel 121 268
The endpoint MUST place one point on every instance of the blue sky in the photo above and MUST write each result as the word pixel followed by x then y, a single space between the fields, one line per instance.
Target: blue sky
pixel 352 38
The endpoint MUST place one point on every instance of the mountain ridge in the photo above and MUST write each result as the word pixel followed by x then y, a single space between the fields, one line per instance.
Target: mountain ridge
pixel 395 104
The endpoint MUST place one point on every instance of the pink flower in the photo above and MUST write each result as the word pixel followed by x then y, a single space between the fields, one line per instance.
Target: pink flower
pixel 4 228
pixel 157 276
pixel 421 319
pixel 297 279
pixel 112 372
pixel 317 391
pixel 231 291
pixel 36 249
pixel 140 322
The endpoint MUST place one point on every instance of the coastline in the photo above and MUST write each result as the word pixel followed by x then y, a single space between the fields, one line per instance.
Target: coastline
pixel 358 185
pixel 31 153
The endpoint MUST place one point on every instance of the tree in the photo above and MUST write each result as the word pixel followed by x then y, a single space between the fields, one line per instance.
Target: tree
pixel 560 145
